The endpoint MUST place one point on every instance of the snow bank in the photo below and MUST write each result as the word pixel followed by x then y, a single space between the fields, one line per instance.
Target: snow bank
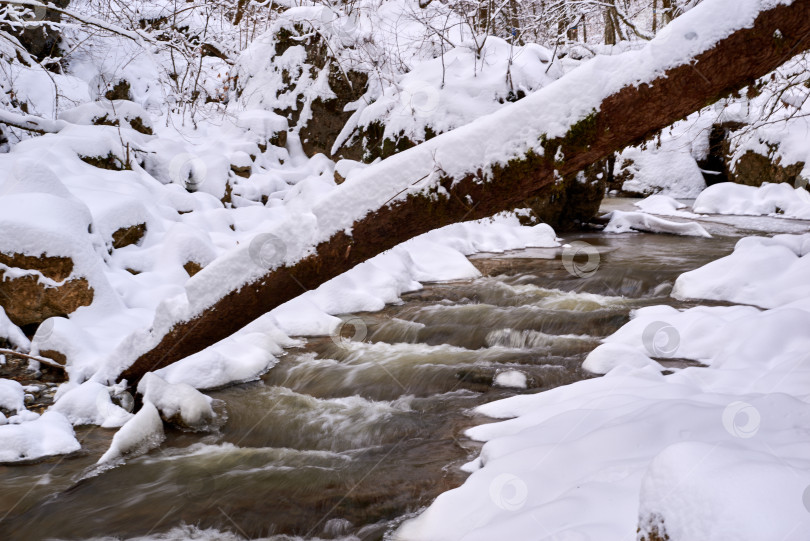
pixel 772 199
pixel 766 272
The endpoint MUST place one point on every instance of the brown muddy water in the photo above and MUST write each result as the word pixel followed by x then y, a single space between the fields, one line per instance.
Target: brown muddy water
pixel 345 440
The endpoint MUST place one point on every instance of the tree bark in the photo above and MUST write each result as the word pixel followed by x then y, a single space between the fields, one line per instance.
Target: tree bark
pixel 624 118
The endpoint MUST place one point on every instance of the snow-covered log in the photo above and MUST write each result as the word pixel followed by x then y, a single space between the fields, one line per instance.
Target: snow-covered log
pixel 490 165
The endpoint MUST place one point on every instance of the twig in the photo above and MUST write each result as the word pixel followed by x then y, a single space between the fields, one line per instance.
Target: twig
pixel 49 362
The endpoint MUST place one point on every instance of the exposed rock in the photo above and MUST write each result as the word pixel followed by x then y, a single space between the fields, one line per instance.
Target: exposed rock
pixel 127 236
pixel 279 139
pixel 119 91
pixel 136 124
pixel 27 301
pixel 715 166
pixel 123 113
pixel 653 529
pixel 753 169
pixel 192 268
pixel 476 376
pixel 570 202
pixel 329 118
pixel 326 117
pixel 369 143
pixel 179 404
pixel 110 161
pixel 43 41
pixel 55 268
pixel 42 384
pixel 57 356
pixel 243 171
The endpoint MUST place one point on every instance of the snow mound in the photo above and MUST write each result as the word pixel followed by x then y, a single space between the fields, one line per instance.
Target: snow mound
pixel 12 395
pixel 766 272
pixel 178 403
pixel 624 222
pixel 670 171
pixel 772 199
pixel 606 357
pixel 50 434
pixel 663 205
pixel 90 404
pixel 511 378
pixel 123 113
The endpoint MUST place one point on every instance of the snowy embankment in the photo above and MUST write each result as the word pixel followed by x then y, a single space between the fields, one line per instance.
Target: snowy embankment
pixel 702 453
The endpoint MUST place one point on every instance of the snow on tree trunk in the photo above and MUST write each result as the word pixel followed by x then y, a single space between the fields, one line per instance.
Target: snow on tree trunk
pixel 491 165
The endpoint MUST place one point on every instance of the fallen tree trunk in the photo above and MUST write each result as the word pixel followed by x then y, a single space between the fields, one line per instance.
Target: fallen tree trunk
pixel 491 165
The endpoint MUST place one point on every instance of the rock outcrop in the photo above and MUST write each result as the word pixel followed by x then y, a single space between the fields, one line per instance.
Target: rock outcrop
pixel 29 300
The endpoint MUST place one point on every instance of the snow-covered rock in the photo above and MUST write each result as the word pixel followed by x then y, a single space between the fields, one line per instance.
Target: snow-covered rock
pixel 179 404
pixel 49 434
pixel 12 395
pixel 143 432
pixel 90 404
pixel 623 222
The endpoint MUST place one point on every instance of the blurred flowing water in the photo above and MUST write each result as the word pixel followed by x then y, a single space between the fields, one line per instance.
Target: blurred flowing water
pixel 344 439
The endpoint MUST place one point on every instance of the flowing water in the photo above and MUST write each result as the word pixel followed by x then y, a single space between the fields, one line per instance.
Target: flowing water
pixel 343 439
